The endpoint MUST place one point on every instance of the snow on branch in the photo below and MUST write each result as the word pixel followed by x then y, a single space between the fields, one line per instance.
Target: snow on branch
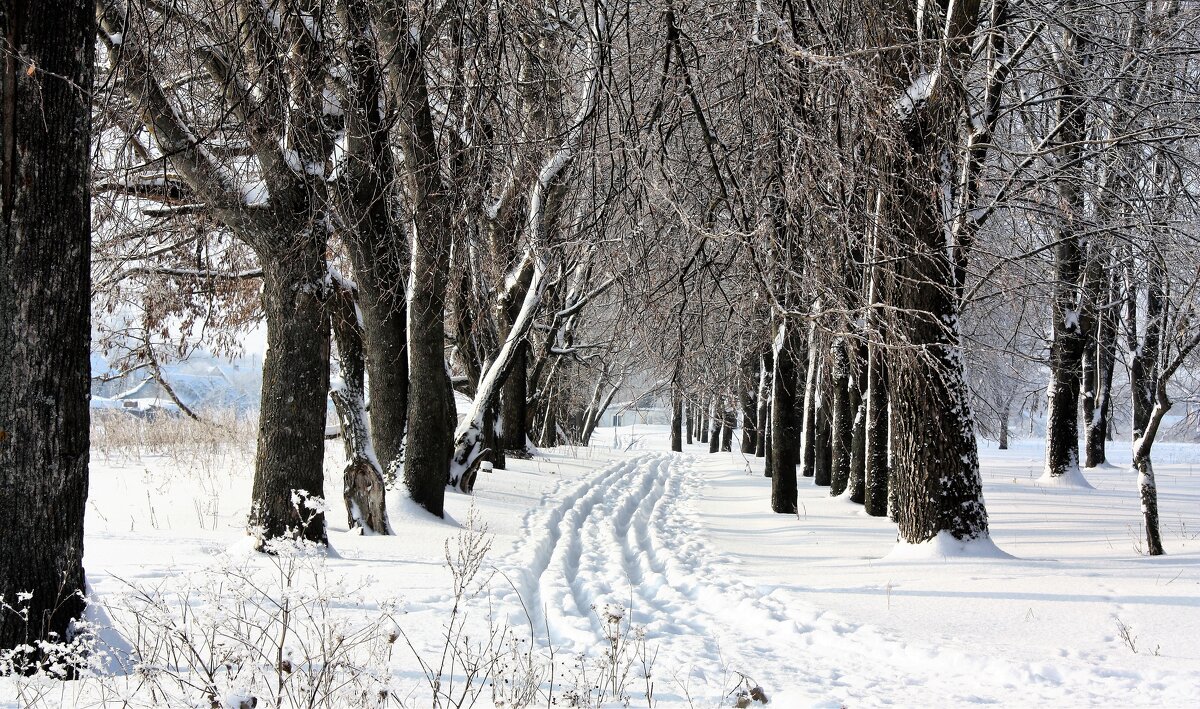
pixel 916 95
pixel 468 434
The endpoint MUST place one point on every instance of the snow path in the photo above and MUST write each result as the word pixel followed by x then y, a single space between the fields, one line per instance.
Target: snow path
pixel 629 535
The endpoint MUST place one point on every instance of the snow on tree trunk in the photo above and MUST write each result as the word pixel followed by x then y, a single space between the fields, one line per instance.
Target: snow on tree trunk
pixel 45 235
pixel 1148 496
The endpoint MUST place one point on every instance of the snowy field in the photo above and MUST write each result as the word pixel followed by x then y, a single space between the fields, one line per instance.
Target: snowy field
pixel 623 572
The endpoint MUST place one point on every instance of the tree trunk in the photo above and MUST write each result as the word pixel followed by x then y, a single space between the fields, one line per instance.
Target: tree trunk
pixel 765 366
pixel 493 448
pixel 376 242
pixel 427 454
pixel 1103 356
pixel 716 418
pixel 935 462
pixel 808 424
pixel 1143 365
pixel 728 423
pixel 512 411
pixel 676 419
pixel 876 473
pixel 1148 494
pixel 767 468
pixel 45 290
pixel 858 441
pixel 750 409
pixel 549 430
pixel 703 421
pixel 430 404
pixel 1069 339
pixel 842 421
pixel 691 423
pixel 822 442
pixel 1003 425
pixel 783 420
pixel 362 480
pixel 291 432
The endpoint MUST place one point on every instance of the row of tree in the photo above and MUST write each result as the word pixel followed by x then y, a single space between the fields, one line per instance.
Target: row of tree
pixel 901 214
pixel 854 223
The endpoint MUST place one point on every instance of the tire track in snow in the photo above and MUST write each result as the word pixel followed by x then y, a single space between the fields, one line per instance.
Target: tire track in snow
pixel 627 536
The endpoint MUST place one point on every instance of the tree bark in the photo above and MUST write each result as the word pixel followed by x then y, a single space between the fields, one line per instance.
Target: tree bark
pixel 1148 495
pixel 45 283
pixel 291 433
pixel 1098 373
pixel 429 430
pixel 934 457
pixel 512 410
pixel 822 442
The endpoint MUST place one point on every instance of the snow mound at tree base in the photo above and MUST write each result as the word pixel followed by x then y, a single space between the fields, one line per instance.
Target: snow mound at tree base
pixel 1072 479
pixel 944 546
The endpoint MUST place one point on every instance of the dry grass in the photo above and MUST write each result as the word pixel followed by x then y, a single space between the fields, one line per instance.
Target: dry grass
pixel 219 439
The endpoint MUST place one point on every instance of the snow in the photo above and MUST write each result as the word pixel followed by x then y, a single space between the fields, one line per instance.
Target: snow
pixel 1072 477
pixel 256 194
pixel 683 552
pixel 916 94
pixel 944 547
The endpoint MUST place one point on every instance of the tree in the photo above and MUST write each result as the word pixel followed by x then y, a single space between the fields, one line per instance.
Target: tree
pixel 45 234
pixel 280 212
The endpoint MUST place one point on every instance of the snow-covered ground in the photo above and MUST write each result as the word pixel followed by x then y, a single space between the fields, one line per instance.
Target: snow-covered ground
pixel 610 563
